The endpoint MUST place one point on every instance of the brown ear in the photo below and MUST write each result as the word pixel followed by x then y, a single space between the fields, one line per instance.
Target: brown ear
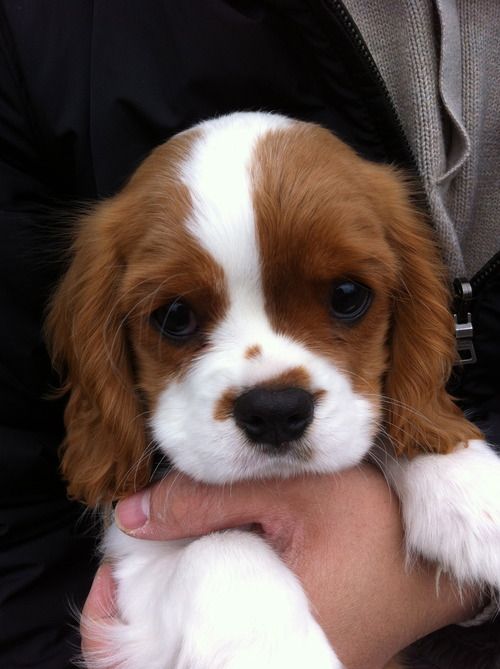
pixel 104 452
pixel 420 415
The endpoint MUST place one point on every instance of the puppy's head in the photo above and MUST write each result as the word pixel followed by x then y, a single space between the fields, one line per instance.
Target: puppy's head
pixel 257 301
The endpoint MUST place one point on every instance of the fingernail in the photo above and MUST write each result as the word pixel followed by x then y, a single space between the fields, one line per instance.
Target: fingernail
pixel 132 513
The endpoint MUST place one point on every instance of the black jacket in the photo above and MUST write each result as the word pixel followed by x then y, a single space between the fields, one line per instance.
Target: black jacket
pixel 87 89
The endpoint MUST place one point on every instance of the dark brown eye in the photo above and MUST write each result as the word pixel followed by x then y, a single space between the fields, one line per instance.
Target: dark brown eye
pixel 175 320
pixel 350 300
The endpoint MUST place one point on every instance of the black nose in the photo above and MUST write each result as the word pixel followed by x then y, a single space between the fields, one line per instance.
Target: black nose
pixel 274 416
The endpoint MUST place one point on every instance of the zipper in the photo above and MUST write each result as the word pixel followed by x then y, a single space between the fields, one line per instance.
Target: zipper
pixel 338 9
pixel 465 291
pixel 464 330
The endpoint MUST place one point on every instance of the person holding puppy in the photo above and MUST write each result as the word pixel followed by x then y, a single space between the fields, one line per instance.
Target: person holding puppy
pixel 82 101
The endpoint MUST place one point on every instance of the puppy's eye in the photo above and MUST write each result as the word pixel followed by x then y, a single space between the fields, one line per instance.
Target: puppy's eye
pixel 350 300
pixel 175 320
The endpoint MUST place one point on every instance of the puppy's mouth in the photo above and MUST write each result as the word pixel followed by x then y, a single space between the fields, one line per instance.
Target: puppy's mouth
pixel 299 450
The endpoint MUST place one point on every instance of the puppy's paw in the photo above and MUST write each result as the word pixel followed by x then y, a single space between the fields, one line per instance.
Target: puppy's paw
pixel 224 601
pixel 451 510
pixel 244 609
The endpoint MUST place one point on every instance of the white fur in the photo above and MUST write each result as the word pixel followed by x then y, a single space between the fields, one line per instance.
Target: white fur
pixel 217 174
pixel 226 601
pixel 451 511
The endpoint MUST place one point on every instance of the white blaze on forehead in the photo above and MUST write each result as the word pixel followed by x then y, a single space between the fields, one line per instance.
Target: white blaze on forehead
pixel 217 174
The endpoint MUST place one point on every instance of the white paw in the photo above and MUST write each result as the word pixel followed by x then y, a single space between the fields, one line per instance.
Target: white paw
pixel 225 601
pixel 451 510
pixel 244 610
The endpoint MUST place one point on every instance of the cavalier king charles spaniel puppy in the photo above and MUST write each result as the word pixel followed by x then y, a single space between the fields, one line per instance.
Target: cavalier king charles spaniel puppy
pixel 259 301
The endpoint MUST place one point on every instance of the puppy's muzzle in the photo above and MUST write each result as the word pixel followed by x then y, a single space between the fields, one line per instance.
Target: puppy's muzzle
pixel 274 418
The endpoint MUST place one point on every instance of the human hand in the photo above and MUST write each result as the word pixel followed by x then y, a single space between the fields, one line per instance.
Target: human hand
pixel 340 534
pixel 99 607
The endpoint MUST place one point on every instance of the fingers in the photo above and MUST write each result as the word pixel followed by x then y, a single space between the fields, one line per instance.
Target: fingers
pixel 99 610
pixel 100 604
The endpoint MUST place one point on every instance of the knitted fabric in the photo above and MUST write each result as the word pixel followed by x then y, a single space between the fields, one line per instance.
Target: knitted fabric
pixel 441 63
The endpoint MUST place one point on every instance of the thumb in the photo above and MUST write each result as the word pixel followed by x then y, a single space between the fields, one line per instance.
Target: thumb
pixel 178 507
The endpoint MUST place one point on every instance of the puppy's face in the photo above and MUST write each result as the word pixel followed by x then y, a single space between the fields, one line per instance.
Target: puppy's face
pixel 259 310
pixel 248 288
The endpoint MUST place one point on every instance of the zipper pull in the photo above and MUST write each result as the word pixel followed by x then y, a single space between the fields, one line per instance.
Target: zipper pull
pixel 464 330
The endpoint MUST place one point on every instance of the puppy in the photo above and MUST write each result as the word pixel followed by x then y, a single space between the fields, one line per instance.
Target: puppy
pixel 259 301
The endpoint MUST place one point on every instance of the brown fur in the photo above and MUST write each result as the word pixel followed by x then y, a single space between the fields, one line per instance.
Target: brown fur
pixel 253 352
pixel 225 405
pixel 131 255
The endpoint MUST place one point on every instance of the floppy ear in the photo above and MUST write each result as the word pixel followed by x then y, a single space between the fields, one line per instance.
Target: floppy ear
pixel 420 413
pixel 104 452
